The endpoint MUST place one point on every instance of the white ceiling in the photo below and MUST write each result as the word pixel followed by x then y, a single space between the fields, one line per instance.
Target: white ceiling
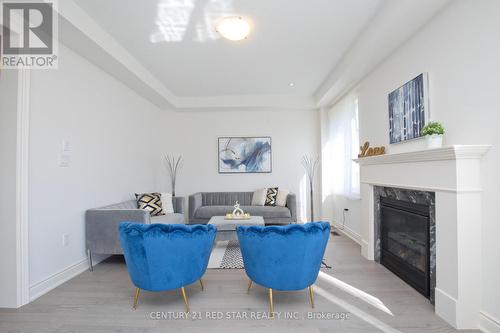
pixel 292 41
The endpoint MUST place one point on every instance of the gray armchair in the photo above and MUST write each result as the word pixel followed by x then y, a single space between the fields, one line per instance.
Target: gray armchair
pixel 204 205
pixel 101 224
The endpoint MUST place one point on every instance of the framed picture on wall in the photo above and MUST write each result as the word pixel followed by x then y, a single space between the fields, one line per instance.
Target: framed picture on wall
pixel 408 110
pixel 245 154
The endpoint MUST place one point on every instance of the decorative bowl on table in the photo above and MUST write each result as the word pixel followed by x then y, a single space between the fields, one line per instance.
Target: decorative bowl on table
pixel 230 216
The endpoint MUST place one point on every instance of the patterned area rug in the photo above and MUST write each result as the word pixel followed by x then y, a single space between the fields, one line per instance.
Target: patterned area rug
pixel 232 257
pixel 227 255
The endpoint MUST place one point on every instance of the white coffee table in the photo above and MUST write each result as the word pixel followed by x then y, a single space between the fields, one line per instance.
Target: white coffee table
pixel 226 229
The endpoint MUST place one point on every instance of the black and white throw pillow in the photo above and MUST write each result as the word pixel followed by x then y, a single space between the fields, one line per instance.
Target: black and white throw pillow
pixel 272 193
pixel 150 202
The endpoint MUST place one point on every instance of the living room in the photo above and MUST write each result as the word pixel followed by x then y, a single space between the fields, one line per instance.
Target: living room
pixel 128 87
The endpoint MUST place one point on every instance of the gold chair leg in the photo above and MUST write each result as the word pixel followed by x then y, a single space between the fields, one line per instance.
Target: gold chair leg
pixel 201 284
pixel 185 298
pixel 311 295
pixel 136 298
pixel 249 286
pixel 271 307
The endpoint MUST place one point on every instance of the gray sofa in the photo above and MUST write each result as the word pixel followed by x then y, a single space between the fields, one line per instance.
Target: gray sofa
pixel 101 224
pixel 204 205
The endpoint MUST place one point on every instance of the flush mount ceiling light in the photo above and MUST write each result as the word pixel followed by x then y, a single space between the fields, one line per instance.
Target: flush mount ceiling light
pixel 233 28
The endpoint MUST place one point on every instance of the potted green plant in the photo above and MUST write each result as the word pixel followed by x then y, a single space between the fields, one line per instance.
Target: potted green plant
pixel 434 132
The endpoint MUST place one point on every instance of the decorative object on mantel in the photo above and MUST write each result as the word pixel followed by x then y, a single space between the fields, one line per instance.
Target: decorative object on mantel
pixel 367 151
pixel 237 214
pixel 174 164
pixel 310 164
pixel 408 110
pixel 433 132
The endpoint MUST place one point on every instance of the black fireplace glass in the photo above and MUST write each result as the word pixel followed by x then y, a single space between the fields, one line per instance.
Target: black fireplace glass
pixel 405 241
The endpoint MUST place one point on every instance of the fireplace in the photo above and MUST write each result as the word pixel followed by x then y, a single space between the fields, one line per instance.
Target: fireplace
pixel 405 242
pixel 448 181
pixel 405 236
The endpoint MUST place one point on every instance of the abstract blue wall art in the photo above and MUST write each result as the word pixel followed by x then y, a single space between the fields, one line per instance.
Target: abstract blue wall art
pixel 245 155
pixel 408 110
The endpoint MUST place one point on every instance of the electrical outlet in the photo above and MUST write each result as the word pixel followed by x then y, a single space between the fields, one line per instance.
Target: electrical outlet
pixel 65 239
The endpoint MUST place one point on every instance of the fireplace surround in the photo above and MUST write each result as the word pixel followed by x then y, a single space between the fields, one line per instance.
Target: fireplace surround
pixel 453 175
pixel 409 216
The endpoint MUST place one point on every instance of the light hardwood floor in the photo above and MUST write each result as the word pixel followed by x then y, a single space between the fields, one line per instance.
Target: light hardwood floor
pixel 374 299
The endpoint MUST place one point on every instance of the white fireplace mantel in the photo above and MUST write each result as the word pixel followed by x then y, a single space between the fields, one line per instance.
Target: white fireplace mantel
pixel 453 174
pixel 456 152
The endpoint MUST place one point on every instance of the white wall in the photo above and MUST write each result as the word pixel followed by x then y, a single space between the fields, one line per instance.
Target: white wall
pixel 459 49
pixel 194 136
pixel 348 221
pixel 114 140
pixel 8 155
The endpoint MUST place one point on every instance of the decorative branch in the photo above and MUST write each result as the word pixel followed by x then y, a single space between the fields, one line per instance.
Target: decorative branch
pixel 173 164
pixel 310 164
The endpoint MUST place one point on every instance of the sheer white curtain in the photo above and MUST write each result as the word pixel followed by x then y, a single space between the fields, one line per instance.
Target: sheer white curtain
pixel 340 146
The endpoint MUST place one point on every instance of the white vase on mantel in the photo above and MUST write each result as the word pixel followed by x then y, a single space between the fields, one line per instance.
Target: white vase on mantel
pixel 434 141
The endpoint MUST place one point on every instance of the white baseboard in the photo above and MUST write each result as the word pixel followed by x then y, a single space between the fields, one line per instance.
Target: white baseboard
pixel 488 324
pixel 446 307
pixel 348 232
pixel 55 280
pixel 364 249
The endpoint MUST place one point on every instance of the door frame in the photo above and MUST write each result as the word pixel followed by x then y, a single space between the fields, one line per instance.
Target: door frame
pixel 22 187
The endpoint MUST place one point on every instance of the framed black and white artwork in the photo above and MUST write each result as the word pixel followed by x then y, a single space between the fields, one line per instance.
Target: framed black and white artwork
pixel 408 110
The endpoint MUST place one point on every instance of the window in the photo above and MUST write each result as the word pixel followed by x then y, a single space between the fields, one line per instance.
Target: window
pixel 354 172
pixel 340 147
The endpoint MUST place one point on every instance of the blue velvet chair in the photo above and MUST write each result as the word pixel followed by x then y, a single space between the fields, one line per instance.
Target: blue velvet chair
pixel 163 257
pixel 283 258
